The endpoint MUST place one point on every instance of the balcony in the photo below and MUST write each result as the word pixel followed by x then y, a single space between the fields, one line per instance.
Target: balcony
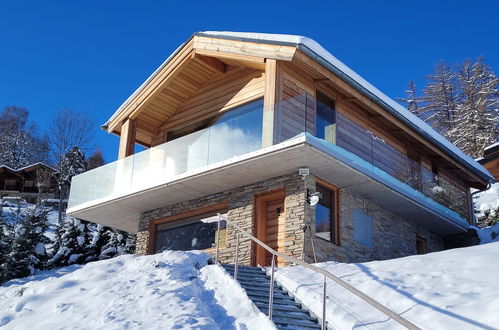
pixel 228 153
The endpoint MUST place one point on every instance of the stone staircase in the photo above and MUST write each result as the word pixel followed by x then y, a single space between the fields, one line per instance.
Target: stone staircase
pixel 286 312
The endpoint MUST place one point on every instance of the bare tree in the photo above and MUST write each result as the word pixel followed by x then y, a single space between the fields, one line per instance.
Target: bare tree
pixel 70 129
pixel 95 160
pixel 20 144
pixel 43 178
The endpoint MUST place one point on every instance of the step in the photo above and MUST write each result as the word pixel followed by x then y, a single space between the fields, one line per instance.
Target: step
pixel 247 272
pixel 277 302
pixel 246 269
pixel 265 293
pixel 264 306
pixel 284 321
pixel 260 285
pixel 258 281
pixel 288 326
pixel 303 315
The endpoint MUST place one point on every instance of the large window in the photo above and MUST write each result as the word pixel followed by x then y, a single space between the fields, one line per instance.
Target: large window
pixel 192 233
pixel 325 123
pixel 326 213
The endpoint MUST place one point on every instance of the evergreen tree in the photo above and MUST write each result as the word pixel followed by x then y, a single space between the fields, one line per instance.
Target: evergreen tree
pixel 490 218
pixel 71 244
pixel 4 248
pixel 73 163
pixel 27 251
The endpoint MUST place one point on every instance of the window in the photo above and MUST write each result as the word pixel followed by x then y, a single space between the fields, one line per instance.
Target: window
pixel 421 247
pixel 197 232
pixel 325 123
pixel 326 213
pixel 362 227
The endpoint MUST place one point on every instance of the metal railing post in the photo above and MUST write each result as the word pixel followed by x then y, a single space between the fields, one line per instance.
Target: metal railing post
pixel 237 257
pixel 271 292
pixel 217 243
pixel 324 297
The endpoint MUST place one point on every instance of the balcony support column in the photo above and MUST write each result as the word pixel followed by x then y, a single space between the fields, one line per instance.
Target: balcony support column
pixel 272 97
pixel 127 138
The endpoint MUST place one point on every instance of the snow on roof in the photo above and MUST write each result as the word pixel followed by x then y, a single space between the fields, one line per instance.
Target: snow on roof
pixel 492 146
pixel 319 53
pixel 28 166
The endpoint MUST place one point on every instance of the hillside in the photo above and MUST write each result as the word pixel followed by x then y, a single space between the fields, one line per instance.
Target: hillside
pixel 450 289
pixel 164 291
pixel 453 289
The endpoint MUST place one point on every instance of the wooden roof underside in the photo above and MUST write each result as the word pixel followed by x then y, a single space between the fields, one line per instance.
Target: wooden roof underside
pixel 200 62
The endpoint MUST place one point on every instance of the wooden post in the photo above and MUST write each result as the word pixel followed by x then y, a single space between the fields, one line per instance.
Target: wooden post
pixel 272 95
pixel 127 138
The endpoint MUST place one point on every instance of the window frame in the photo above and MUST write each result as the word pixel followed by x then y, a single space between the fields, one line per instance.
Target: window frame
pixel 176 218
pixel 335 237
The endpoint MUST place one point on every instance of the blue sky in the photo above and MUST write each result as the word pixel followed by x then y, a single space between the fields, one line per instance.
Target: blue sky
pixel 91 55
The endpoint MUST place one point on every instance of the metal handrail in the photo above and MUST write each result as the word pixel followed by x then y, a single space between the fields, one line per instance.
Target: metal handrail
pixel 382 308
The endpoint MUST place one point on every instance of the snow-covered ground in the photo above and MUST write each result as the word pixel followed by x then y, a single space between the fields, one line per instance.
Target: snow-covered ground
pixel 171 290
pixel 453 289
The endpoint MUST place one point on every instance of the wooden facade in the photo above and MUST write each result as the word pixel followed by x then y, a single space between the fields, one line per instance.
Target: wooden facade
pixel 209 76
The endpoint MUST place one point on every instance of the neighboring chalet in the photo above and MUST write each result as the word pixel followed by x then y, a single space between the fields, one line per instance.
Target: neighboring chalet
pixel 490 159
pixel 30 182
pixel 230 118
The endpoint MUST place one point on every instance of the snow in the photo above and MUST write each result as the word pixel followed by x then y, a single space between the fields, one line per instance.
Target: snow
pixel 40 249
pixel 492 146
pixel 171 290
pixel 487 200
pixel 418 124
pixel 453 289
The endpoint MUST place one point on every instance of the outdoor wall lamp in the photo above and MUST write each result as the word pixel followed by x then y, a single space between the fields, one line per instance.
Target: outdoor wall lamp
pixel 313 198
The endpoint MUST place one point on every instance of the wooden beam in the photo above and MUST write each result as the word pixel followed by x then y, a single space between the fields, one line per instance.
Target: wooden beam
pixel 211 63
pixel 127 138
pixel 272 96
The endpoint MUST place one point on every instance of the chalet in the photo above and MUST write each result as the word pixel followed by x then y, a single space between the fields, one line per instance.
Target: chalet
pixel 490 159
pixel 30 182
pixel 259 127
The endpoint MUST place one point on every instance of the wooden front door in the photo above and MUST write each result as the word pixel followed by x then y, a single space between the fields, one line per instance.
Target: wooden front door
pixel 270 225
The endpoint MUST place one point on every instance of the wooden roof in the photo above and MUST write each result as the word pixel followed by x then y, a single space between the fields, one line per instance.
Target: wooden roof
pixel 159 102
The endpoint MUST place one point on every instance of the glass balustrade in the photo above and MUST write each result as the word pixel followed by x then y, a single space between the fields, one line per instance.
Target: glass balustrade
pixel 238 132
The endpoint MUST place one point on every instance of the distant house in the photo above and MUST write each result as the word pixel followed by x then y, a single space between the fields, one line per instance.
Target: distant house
pixel 490 159
pixel 30 182
pixel 254 126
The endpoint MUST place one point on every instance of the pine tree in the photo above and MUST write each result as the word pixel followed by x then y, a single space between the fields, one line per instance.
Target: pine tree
pixel 5 245
pixel 73 238
pixel 73 163
pixel 27 251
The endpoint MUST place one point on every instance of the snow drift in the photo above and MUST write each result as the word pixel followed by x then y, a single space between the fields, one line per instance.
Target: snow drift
pixel 163 291
pixel 453 289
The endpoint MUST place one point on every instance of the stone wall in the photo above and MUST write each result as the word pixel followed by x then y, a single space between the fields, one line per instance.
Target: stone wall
pixel 240 210
pixel 392 236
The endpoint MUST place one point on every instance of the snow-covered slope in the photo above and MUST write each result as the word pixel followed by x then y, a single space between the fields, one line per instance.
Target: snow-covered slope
pixel 171 290
pixel 454 289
